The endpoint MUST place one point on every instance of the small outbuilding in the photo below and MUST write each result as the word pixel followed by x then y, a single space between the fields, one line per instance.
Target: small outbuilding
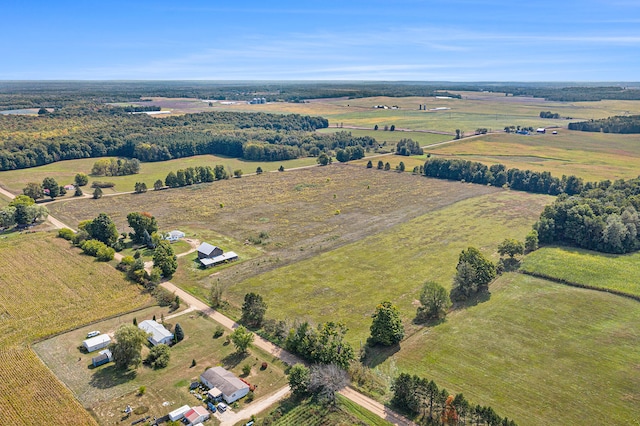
pixel 179 413
pixel 103 357
pixel 541 130
pixel 206 250
pixel 174 236
pixel 97 342
pixel 209 255
pixel 158 334
pixel 232 388
pixel 197 414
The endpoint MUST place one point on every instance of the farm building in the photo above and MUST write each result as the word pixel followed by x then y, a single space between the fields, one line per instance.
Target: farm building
pixel 174 236
pixel 209 255
pixel 95 343
pixel 158 334
pixel 102 358
pixel 70 187
pixel 197 414
pixel 541 130
pixel 231 387
pixel 179 413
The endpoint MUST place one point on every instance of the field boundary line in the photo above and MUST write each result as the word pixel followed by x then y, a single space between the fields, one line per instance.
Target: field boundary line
pixel 578 285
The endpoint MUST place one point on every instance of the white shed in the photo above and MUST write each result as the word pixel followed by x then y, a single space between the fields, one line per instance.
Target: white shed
pixel 179 413
pixel 95 343
pixel 174 236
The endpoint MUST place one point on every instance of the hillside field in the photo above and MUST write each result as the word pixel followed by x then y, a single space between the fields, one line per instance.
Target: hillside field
pixel 303 212
pixel 584 267
pixel 537 352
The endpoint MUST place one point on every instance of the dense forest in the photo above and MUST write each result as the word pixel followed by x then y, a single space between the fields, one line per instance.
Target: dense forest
pixel 91 130
pixel 499 175
pixel 617 124
pixel 603 217
pixel 573 93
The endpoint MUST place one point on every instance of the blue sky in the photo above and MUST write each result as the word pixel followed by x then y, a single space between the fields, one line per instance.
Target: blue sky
pixel 452 40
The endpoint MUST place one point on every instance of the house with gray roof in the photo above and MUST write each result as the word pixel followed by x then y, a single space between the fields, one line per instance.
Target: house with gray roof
pixel 231 387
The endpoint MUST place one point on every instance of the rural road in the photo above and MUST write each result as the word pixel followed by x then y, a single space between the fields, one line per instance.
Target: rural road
pixel 230 418
pixel 287 357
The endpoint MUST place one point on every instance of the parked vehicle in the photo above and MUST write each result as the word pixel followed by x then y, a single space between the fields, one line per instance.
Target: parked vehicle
pixel 92 334
pixel 211 407
pixel 222 407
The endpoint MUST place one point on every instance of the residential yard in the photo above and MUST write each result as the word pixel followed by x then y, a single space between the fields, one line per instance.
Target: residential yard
pixel 303 212
pixel 537 352
pixel 606 271
pixel 346 284
pixel 106 391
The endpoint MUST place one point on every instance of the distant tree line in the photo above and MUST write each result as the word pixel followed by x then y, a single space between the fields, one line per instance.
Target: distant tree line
pixel 408 147
pixel 193 175
pixel 617 124
pixel 420 396
pixel 549 114
pixel 499 175
pixel 603 217
pixel 323 344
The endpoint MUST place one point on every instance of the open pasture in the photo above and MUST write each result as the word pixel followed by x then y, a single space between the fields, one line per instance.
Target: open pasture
pixel 537 352
pixel 35 302
pixel 584 267
pixel 346 284
pixel 303 212
pixel 106 391
pixel 31 394
pixel 592 156
pixel 65 171
pixel 392 138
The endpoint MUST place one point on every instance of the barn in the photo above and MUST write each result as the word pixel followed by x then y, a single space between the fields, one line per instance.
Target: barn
pixel 197 414
pixel 231 387
pixel 95 343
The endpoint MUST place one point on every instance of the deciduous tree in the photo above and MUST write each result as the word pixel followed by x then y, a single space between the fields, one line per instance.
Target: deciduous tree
pixel 33 190
pixel 299 379
pixel 434 302
pixel 51 186
pixel 164 259
pixel 241 339
pixel 128 346
pixel 253 309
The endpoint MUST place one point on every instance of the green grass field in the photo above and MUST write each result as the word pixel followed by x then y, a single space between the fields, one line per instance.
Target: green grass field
pixel 105 391
pixel 347 283
pixel 537 352
pixel 392 138
pixel 607 271
pixel 65 171
pixel 592 156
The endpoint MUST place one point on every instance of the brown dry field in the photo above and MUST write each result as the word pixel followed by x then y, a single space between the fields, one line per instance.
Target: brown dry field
pixel 305 212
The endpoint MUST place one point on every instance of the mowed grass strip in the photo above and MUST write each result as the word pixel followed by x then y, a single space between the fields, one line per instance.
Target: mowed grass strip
pixel 48 287
pixel 31 394
pixel 584 267
pixel 304 212
pixel 347 283
pixel 537 352
pixel 64 171
pixel 592 156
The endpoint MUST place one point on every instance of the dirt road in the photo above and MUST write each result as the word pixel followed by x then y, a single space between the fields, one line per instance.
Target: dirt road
pixel 230 418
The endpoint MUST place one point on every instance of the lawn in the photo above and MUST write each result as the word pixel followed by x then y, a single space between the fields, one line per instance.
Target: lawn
pixel 65 171
pixel 49 287
pixel 293 412
pixel 345 284
pixel 303 212
pixel 537 352
pixel 584 267
pixel 106 391
pixel 592 156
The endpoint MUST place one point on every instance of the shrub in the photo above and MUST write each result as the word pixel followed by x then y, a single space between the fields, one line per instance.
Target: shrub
pixel 158 356
pixel 163 296
pixel 246 369
pixel 99 184
pixel 219 331
pixel 66 233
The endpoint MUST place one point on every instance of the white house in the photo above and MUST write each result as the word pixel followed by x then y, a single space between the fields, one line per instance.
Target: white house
pixel 541 130
pixel 158 334
pixel 231 387
pixel 174 236
pixel 197 414
pixel 179 413
pixel 97 342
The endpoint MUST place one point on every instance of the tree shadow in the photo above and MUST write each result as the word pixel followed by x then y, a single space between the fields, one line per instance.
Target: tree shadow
pixel 111 376
pixel 376 355
pixel 429 322
pixel 232 360
pixel 474 300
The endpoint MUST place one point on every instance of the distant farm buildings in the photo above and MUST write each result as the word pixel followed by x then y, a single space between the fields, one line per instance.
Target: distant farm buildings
pixel 209 255
pixel 541 130
pixel 258 101
pixel 174 236
pixel 158 334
